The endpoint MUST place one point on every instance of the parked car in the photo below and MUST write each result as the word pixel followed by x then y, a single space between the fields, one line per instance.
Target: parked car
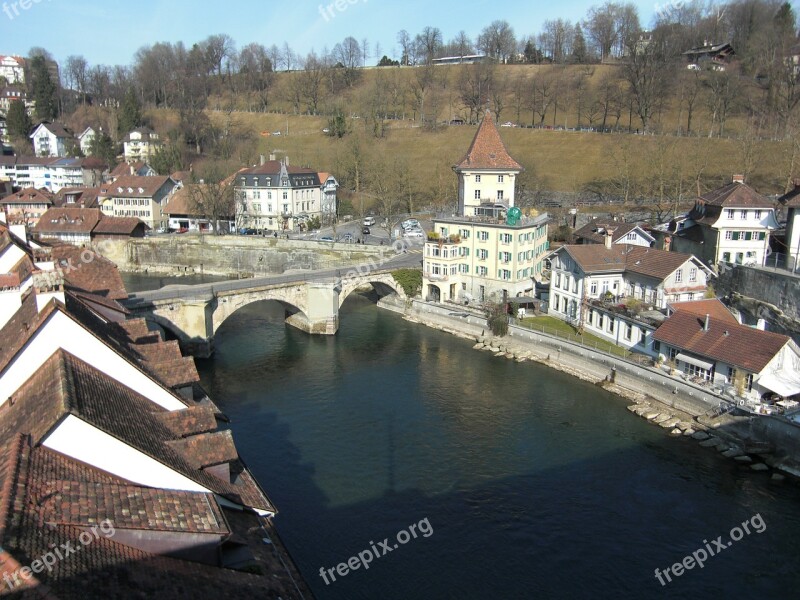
pixel 326 130
pixel 365 230
pixel 326 238
pixel 414 233
pixel 508 124
pixel 369 221
pixel 409 223
pixel 248 231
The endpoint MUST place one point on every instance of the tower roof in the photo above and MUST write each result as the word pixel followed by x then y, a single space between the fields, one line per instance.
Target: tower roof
pixel 487 150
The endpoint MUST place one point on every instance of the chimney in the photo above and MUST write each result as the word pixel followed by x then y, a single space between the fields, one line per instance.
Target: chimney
pixel 667 243
pixel 707 323
pixel 133 171
pixel 262 160
pixel 286 161
pixel 272 156
pixel 609 238
pixel 738 179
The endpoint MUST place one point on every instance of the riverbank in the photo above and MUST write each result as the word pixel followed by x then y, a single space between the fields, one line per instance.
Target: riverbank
pixel 679 407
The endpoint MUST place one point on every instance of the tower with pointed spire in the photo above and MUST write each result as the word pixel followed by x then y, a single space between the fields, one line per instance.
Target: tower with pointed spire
pixel 487 174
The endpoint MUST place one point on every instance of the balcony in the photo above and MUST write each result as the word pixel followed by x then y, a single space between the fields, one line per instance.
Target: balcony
pixel 435 277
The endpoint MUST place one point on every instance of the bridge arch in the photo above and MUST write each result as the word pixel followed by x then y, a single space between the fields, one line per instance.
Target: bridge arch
pixel 383 284
pixel 165 326
pixel 228 304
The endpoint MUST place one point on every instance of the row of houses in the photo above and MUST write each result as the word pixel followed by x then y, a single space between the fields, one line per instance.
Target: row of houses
pixel 56 140
pixel 106 432
pixel 644 289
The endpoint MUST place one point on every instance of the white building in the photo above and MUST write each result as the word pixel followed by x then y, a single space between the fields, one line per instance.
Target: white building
pixel 142 197
pixel 51 139
pixel 277 196
pixel 141 144
pixel 587 277
pixel 731 224
pixel 486 251
pixel 86 139
pixel 12 68
pixel 48 173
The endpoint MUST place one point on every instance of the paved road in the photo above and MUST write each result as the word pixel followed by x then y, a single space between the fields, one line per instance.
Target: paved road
pixel 410 259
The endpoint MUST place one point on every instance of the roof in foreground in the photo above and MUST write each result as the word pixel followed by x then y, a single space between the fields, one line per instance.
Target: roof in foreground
pixel 487 150
pixel 738 345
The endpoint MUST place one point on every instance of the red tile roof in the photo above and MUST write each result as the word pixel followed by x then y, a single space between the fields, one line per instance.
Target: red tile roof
pixel 68 220
pixel 86 271
pixel 595 231
pixel 487 150
pixel 735 195
pixel 128 186
pixel 701 308
pixel 29 196
pixel 650 262
pixel 738 345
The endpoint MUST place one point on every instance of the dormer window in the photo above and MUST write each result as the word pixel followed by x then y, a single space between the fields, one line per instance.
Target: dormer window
pixel 141 190
pixel 130 190
pixel 119 190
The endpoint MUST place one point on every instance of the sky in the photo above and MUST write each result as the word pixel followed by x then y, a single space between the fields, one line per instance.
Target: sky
pixel 110 32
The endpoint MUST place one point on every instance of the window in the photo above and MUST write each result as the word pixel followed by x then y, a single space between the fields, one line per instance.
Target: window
pixel 728 235
pixel 505 257
pixel 566 283
pixel 611 325
pixel 499 194
pixel 735 236
pixel 628 331
pixel 482 271
pixel 758 215
pixel 499 179
pixel 730 213
pixel 462 268
pixel 506 238
pixel 464 234
pixel 575 286
pixel 477 178
pixel 285 195
pixel 678 275
pixel 743 215
pixel 558 280
pixel 748 236
pixel 762 236
pixel 631 236
pixel 483 254
pixel 483 236
pixel 477 194
pixel 693 274
pixel 593 288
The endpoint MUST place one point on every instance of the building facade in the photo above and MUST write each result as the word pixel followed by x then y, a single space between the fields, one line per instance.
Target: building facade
pixel 51 139
pixel 47 173
pixel 277 196
pixel 141 144
pixel 142 197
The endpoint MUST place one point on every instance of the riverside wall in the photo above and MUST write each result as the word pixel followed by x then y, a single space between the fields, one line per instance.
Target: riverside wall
pixel 231 256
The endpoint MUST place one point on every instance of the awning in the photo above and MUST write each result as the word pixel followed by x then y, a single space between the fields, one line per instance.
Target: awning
pixel 695 361
pixel 782 383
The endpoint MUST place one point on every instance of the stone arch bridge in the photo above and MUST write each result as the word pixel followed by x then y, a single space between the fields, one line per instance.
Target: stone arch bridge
pixel 195 313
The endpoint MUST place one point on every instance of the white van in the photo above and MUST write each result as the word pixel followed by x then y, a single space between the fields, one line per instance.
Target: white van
pixel 369 221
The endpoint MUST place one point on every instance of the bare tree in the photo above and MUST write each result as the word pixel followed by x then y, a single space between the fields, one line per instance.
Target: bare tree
pixel 405 42
pixel 429 41
pixel 497 40
pixel 212 197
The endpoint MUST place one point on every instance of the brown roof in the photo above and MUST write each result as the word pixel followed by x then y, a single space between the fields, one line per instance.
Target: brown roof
pixel 57 129
pixel 711 306
pixel 83 197
pixel 735 195
pixel 86 271
pixel 149 186
pixel 738 345
pixel 68 220
pixel 487 150
pixel 29 196
pixel 66 385
pixel 180 202
pixel 650 262
pixel 55 499
pixel 791 199
pixel 118 225
pixel 594 231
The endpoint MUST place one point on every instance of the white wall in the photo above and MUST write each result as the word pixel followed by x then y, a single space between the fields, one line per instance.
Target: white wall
pixel 82 441
pixel 8 260
pixel 60 331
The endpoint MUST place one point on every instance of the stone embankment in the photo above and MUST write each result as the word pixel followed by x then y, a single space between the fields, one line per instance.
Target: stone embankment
pixel 676 411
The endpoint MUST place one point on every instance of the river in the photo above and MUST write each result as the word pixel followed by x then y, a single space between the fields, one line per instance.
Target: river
pixel 534 484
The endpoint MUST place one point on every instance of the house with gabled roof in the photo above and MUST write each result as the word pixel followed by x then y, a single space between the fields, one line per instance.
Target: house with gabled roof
pixel 141 144
pixel 617 291
pixel 86 139
pixel 731 224
pixel 52 139
pixel 749 362
pixel 27 205
pixel 81 226
pixel 596 230
pixel 135 196
pixel 275 195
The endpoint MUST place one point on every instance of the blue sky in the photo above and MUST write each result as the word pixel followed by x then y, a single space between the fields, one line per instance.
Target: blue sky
pixel 110 32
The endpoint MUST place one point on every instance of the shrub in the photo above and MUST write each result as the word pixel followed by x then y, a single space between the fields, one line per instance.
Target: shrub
pixel 410 280
pixel 498 319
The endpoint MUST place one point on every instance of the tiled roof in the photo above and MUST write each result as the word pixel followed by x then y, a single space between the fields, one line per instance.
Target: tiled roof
pixel 84 197
pixel 55 498
pixel 67 385
pixel 189 421
pixel 29 196
pixel 57 129
pixel 86 271
pixel 487 150
pixel 21 327
pixel 273 167
pixel 118 225
pixel 208 449
pixel 68 220
pixel 128 186
pixel 650 262
pixel 701 308
pixel 791 199
pixel 735 195
pixel 738 345
pixel 594 231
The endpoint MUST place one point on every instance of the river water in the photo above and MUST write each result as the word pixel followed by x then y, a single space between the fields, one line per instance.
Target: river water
pixel 534 484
